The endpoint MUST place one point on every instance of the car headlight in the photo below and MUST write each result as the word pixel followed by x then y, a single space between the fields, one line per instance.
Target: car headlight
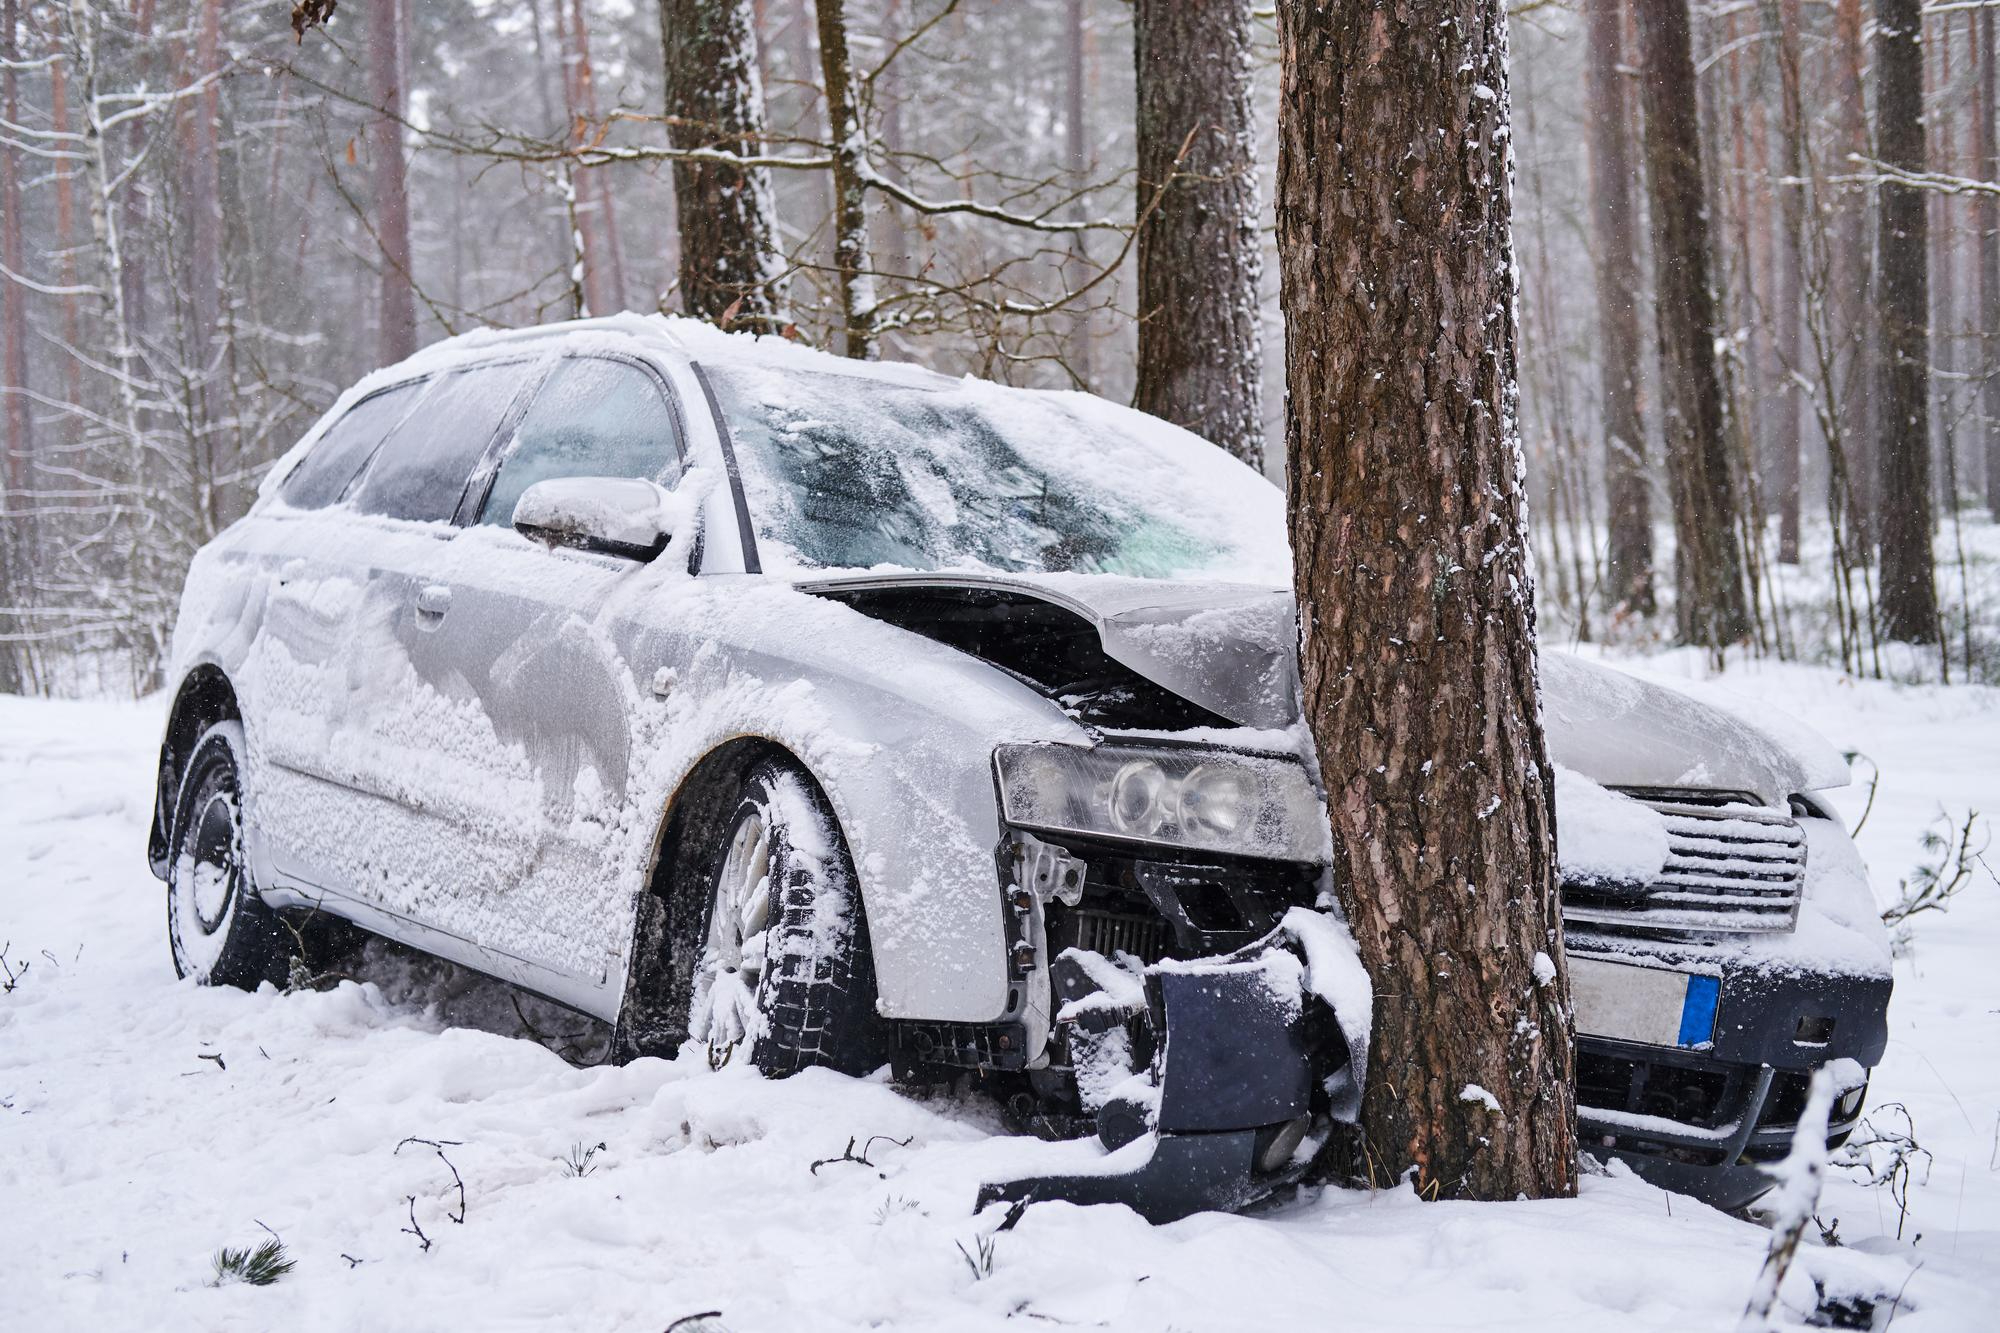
pixel 1203 799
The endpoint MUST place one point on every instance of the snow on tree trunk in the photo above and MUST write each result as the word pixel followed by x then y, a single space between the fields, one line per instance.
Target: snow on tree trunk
pixel 1416 605
pixel 1201 355
pixel 391 220
pixel 1909 606
pixel 1708 560
pixel 728 224
pixel 1629 553
pixel 850 184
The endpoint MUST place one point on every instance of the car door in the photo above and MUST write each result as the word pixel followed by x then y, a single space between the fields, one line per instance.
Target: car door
pixel 521 636
pixel 410 762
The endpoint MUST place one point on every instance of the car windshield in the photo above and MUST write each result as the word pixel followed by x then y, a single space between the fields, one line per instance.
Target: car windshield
pixel 859 471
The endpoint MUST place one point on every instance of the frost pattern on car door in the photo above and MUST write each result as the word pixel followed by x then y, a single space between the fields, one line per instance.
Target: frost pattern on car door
pixel 406 759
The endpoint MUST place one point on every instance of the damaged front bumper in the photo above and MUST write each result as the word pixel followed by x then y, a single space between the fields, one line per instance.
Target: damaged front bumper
pixel 1232 1069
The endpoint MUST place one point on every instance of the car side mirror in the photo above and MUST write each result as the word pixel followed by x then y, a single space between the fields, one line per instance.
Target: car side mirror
pixel 616 515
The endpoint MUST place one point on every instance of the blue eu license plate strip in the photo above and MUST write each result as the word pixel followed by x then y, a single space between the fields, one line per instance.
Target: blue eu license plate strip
pixel 1704 994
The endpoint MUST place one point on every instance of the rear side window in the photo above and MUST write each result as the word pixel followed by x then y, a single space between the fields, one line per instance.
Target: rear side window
pixel 594 418
pixel 331 464
pixel 420 470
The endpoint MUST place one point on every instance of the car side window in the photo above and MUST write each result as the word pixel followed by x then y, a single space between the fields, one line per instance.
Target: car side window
pixel 593 418
pixel 331 463
pixel 421 469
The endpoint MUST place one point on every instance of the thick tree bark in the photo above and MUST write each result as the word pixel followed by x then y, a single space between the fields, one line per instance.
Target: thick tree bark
pixel 1416 607
pixel 1708 560
pixel 397 315
pixel 1909 608
pixel 1788 312
pixel 1629 556
pixel 1987 210
pixel 1852 282
pixel 729 247
pixel 851 259
pixel 1201 355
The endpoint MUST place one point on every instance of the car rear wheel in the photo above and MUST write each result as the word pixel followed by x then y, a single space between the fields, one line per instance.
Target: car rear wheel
pixel 785 967
pixel 220 931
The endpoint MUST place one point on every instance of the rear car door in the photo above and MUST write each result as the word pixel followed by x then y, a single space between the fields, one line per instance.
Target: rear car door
pixel 412 766
pixel 524 638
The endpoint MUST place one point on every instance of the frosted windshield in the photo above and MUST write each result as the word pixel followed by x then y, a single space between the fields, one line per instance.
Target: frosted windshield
pixel 855 472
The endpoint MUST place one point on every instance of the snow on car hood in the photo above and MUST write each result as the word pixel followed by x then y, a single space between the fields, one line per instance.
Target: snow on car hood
pixel 1232 648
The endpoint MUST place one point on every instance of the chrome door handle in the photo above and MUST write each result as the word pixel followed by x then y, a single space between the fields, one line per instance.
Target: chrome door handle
pixel 432 603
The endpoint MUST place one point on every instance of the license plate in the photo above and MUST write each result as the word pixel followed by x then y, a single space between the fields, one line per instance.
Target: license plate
pixel 1650 1005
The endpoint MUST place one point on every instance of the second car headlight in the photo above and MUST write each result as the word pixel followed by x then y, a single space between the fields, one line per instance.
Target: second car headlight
pixel 1203 799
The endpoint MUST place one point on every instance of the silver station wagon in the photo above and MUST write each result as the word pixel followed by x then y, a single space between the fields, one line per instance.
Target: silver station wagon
pixel 846 715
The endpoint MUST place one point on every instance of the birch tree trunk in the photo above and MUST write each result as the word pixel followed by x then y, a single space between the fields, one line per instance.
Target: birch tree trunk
pixel 1909 608
pixel 1412 572
pixel 729 250
pixel 1709 604
pixel 1201 356
pixel 1629 553
pixel 850 186
pixel 1988 212
pixel 397 313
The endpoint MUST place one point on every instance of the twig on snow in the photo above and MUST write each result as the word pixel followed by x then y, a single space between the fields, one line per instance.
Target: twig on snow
pixel 438 1146
pixel 848 1154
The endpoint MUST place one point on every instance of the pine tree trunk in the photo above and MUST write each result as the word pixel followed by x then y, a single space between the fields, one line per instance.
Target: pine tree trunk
pixel 1416 609
pixel 1988 213
pixel 1629 556
pixel 1788 312
pixel 851 259
pixel 1853 281
pixel 68 239
pixel 1077 161
pixel 205 182
pixel 1201 356
pixel 729 245
pixel 398 311
pixel 607 267
pixel 1708 561
pixel 1909 608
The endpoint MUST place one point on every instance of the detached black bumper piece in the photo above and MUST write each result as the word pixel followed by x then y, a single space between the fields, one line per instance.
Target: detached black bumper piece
pixel 1240 1066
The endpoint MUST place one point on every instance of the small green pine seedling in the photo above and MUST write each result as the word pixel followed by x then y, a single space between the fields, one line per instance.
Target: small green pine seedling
pixel 259 1267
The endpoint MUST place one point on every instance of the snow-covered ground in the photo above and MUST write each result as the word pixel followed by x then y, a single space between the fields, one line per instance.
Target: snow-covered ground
pixel 145 1123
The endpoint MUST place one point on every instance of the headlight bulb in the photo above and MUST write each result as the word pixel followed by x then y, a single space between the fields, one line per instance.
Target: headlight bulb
pixel 1216 800
pixel 1136 807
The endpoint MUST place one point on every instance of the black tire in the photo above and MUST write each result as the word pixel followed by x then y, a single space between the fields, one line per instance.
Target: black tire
pixel 218 928
pixel 814 989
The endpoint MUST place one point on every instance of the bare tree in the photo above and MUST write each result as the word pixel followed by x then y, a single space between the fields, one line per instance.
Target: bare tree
pixel 1788 308
pixel 1629 553
pixel 1201 356
pixel 17 446
pixel 1987 209
pixel 1709 603
pixel 397 309
pixel 851 179
pixel 1908 599
pixel 1854 308
pixel 1416 607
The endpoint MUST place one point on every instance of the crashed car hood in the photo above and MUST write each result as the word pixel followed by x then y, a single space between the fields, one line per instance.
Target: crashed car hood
pixel 1232 648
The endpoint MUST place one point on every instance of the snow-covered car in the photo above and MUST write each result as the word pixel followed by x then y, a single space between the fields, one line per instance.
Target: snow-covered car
pixel 854 714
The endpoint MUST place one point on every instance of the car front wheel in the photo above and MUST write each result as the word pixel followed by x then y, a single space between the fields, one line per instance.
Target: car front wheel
pixel 785 967
pixel 220 931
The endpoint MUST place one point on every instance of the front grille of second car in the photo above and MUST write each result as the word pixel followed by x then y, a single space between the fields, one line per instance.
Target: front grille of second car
pixel 1109 933
pixel 1732 865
